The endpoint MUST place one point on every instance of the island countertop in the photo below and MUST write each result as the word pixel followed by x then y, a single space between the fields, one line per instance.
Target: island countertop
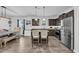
pixel 44 29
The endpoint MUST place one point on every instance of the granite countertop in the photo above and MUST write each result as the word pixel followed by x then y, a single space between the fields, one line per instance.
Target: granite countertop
pixel 45 29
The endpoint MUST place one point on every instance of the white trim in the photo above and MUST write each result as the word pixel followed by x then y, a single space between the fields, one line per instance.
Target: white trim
pixel 75 51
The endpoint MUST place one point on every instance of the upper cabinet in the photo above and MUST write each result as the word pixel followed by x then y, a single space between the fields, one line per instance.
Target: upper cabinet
pixel 66 15
pixel 35 22
pixel 54 22
pixel 58 22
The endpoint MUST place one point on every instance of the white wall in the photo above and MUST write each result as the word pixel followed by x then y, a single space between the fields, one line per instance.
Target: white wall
pixel 13 23
pixel 76 29
pixel 4 23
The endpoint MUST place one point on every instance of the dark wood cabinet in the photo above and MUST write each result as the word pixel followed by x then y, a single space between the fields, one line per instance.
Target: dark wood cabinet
pixel 51 33
pixel 54 22
pixel 56 33
pixel 65 15
pixel 35 22
pixel 58 22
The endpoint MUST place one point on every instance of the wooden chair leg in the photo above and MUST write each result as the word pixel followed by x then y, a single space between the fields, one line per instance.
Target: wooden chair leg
pixel 41 42
pixel 38 42
pixel 5 44
pixel 32 43
pixel 1 45
pixel 47 44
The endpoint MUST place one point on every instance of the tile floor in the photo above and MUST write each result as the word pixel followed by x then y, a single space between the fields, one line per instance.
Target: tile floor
pixel 24 45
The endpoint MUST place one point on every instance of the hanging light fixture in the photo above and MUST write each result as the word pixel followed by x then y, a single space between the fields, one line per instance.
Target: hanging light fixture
pixel 36 12
pixel 3 12
pixel 43 13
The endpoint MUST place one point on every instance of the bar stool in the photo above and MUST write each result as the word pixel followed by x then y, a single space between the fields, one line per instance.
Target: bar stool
pixel 44 37
pixel 35 37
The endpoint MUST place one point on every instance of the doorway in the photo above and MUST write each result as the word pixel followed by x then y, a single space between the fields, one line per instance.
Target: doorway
pixel 21 24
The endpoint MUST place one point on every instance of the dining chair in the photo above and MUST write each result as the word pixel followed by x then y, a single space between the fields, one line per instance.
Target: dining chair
pixel 35 37
pixel 44 37
pixel 1 41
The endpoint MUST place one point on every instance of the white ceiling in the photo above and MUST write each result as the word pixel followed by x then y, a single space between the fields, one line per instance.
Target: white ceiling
pixel 30 10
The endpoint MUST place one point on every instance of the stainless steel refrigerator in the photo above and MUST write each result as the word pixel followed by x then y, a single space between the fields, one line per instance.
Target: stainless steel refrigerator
pixel 68 28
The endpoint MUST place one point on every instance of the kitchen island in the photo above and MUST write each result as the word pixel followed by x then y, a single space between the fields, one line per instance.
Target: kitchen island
pixel 51 32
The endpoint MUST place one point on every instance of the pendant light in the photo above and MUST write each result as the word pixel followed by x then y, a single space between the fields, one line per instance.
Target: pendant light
pixel 43 13
pixel 36 12
pixel 3 12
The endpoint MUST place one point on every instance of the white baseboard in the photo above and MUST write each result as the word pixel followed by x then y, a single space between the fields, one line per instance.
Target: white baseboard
pixel 75 51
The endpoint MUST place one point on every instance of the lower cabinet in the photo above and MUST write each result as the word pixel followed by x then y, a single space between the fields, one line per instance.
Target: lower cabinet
pixel 56 33
pixel 51 33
